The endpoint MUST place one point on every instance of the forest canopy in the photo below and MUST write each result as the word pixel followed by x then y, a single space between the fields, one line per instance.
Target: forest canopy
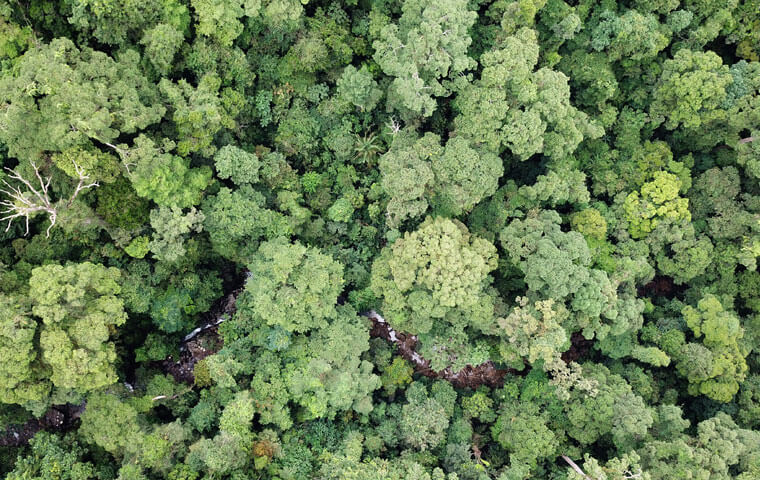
pixel 379 239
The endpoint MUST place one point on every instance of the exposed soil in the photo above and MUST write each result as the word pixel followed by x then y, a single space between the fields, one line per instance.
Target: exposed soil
pixel 579 348
pixel 197 345
pixel 201 342
pixel 660 286
pixel 59 417
pixel 469 377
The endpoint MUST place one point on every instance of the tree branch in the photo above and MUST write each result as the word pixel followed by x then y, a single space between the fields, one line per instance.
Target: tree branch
pixel 21 205
pixel 575 467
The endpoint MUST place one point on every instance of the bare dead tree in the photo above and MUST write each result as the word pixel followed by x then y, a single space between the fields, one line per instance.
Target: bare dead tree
pixel 627 474
pixel 27 202
pixel 393 126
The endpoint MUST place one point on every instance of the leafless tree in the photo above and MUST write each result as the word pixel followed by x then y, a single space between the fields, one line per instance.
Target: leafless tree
pixel 26 200
pixel 627 474
pixel 394 126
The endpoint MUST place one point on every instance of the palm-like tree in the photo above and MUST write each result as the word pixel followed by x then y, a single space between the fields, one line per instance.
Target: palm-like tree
pixel 367 147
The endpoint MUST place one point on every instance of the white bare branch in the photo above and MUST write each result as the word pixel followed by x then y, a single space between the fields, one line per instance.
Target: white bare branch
pixel 81 185
pixel 35 200
pixel 629 474
pixel 394 126
pixel 575 467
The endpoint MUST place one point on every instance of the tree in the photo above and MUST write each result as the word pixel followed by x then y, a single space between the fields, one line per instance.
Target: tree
pixel 79 309
pixel 220 20
pixel 170 225
pixel 691 90
pixel 161 45
pixel 111 424
pixel 236 164
pixel 556 265
pixel 119 22
pixel 610 407
pixel 522 430
pixel 722 333
pixel 52 457
pixel 658 200
pixel 200 112
pixel 238 219
pixel 463 177
pixel 292 287
pixel 719 450
pixel 624 467
pixel 631 38
pixel 60 97
pixel 424 418
pixel 427 47
pixel 359 88
pixel 166 179
pixel 270 392
pixel 405 175
pixel 325 373
pixel 22 380
pixel 453 179
pixel 534 331
pixel 516 108
pixel 32 199
pixel 435 281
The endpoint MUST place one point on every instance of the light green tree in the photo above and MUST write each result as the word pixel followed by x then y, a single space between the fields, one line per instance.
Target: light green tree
pixel 171 226
pixel 79 309
pixel 161 45
pixel 534 332
pixel 220 19
pixel 659 199
pixel 119 22
pixel 292 286
pixel 434 282
pixel 236 164
pixel 406 172
pixel 165 178
pixel 325 373
pixel 463 177
pixel 237 220
pixel 21 378
pixel 418 173
pixel 55 99
pixel 111 424
pixel 523 431
pixel 425 52
pixel 691 90
pixel 359 88
pixel 724 365
pixel 512 106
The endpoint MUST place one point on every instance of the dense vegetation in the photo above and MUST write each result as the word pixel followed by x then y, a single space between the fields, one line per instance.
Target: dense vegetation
pixel 380 239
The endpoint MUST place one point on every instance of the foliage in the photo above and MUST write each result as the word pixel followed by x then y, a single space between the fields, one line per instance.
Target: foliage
pixel 59 335
pixel 54 99
pixel 431 286
pixel 292 287
pixel 380 240
pixel 170 226
pixel 420 57
pixel 236 164
pixel 162 177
